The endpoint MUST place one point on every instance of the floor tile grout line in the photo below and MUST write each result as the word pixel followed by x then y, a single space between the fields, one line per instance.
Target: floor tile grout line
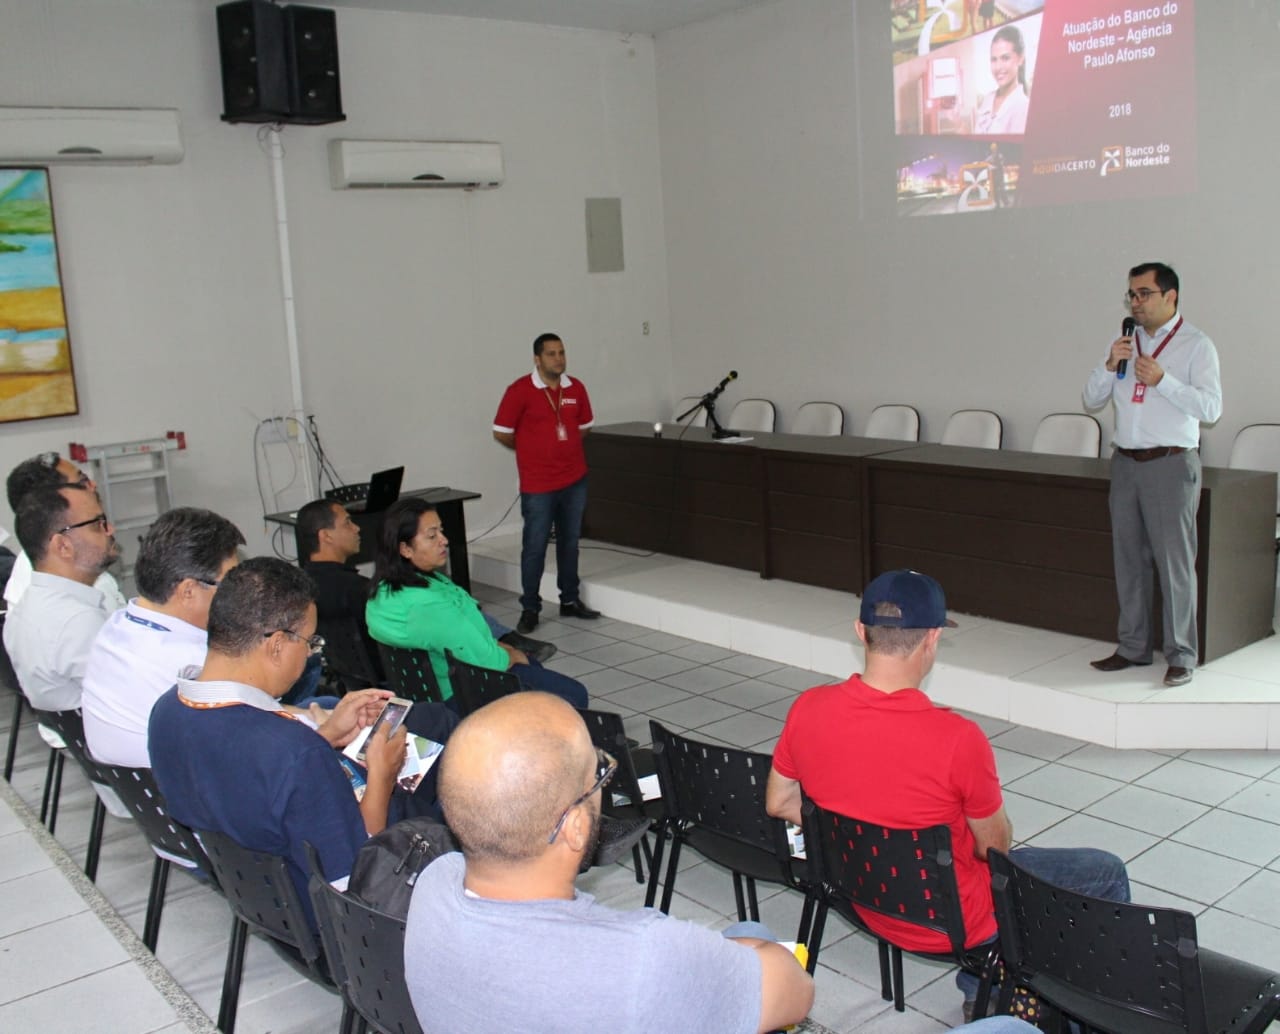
pixel 157 975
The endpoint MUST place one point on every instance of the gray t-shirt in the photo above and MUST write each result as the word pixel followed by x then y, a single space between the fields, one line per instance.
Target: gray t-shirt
pixel 477 966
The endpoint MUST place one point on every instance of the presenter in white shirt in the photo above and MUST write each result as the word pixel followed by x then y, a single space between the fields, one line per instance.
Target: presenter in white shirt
pixel 1169 385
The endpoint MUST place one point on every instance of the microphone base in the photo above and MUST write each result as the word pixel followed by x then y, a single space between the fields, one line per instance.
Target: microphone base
pixel 724 432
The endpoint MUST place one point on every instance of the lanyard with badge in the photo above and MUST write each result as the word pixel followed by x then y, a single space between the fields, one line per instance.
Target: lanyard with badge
pixel 1140 389
pixel 562 435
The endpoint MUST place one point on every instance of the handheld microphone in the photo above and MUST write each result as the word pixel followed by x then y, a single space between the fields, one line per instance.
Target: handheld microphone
pixel 1126 330
pixel 733 376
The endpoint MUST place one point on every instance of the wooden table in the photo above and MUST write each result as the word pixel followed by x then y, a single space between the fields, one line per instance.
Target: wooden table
pixel 1020 537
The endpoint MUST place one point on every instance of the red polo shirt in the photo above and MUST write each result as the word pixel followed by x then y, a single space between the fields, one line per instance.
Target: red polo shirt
pixel 898 760
pixel 531 411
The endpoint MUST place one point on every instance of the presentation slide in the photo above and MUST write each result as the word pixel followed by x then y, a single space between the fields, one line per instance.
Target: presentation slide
pixel 1016 103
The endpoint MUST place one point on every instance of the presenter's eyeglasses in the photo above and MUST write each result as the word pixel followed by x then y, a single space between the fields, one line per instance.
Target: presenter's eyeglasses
pixel 101 521
pixel 606 765
pixel 1140 295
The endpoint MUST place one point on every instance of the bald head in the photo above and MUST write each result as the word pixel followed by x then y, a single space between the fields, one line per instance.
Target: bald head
pixel 509 771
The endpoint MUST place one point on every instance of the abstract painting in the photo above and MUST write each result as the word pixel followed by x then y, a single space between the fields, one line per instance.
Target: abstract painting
pixel 36 378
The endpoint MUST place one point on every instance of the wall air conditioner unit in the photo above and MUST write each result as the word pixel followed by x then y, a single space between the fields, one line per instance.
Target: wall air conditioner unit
pixel 42 136
pixel 467 165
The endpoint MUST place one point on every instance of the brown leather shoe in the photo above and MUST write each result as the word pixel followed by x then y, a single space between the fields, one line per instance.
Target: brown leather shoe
pixel 1177 676
pixel 1117 663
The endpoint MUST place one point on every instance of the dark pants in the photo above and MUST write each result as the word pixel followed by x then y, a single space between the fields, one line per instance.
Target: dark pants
pixel 534 676
pixel 565 508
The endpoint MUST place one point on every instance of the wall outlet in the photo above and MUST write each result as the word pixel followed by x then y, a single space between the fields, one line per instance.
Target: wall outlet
pixel 644 328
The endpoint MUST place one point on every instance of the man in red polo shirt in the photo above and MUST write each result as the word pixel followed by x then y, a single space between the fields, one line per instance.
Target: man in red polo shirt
pixel 543 417
pixel 878 749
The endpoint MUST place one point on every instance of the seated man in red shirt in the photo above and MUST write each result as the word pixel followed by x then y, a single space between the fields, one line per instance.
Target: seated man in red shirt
pixel 876 748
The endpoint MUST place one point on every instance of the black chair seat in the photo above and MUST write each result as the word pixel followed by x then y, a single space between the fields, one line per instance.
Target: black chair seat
pixel 623 799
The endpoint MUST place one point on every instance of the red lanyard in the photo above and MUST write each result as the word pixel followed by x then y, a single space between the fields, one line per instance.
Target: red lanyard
pixel 1140 389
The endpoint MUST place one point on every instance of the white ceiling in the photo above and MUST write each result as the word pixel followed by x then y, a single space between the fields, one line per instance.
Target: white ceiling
pixel 646 16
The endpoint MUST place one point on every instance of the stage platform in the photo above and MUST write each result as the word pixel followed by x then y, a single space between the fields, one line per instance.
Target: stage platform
pixel 1023 675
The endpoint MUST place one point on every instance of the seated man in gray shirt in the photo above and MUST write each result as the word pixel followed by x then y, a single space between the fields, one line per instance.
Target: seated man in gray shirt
pixel 498 939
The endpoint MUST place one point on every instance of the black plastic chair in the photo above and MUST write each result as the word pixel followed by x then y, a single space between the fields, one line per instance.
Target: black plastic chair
pixel 713 800
pixel 906 874
pixel 9 678
pixel 409 674
pixel 473 686
pixel 169 839
pixel 70 728
pixel 347 656
pixel 262 897
pixel 365 949
pixel 1121 968
pixel 609 734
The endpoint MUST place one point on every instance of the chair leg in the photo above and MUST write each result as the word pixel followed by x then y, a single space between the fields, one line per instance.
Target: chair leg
pixel 898 1004
pixel 655 864
pixel 753 905
pixel 14 727
pixel 669 885
pixel 738 898
pixel 95 838
pixel 231 977
pixel 56 796
pixel 806 920
pixel 814 942
pixel 155 903
pixel 886 982
pixel 348 1023
pixel 48 785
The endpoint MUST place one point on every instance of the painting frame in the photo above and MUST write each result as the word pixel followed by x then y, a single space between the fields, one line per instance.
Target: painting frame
pixel 37 376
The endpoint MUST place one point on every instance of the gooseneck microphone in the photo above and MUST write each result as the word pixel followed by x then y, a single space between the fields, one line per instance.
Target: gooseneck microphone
pixel 733 376
pixel 1126 330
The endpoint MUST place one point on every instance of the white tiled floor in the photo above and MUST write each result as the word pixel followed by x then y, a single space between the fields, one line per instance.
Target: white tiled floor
pixel 1200 829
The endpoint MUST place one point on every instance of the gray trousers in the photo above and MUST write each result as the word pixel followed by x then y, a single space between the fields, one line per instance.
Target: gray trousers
pixel 1153 519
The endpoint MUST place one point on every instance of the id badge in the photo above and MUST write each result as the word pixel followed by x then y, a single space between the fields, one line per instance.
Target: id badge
pixel 1139 391
pixel 562 434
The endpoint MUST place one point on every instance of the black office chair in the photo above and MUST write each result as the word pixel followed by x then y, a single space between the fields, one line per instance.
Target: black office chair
pixel 169 839
pixel 409 673
pixel 365 949
pixel 713 800
pixel 906 874
pixel 473 686
pixel 70 728
pixel 1121 968
pixel 263 900
pixel 608 733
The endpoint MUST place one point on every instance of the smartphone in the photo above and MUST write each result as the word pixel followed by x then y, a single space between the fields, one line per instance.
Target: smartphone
pixel 386 724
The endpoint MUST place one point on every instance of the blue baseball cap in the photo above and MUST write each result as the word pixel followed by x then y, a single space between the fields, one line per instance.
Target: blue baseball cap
pixel 918 598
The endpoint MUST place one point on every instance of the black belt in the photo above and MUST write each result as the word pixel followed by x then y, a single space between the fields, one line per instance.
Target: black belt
pixel 1158 452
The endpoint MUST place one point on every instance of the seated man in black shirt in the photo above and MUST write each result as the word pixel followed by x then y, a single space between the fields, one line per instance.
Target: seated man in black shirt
pixel 328 539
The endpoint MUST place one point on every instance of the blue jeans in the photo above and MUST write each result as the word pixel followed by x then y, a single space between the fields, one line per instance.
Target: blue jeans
pixel 496 627
pixel 1085 870
pixel 534 676
pixel 565 507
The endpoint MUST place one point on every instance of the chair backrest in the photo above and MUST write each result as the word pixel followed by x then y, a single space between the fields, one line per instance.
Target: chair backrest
pixel 752 415
pixel 1127 960
pixel 699 419
pixel 720 791
pixel 907 874
pixel 409 673
pixel 347 655
pixel 825 418
pixel 261 893
pixel 1068 434
pixel 70 727
pixel 473 686
pixel 978 428
pixel 609 734
pixel 365 949
pixel 901 423
pixel 1257 447
pixel 137 788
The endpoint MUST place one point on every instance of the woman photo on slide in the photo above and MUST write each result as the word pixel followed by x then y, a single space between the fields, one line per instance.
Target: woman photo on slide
pixel 1005 109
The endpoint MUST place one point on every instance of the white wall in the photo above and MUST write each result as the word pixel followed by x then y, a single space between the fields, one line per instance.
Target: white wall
pixel 786 260
pixel 415 309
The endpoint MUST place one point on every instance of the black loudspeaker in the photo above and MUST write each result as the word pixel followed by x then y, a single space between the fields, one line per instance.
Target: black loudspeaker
pixel 279 64
pixel 255 84
pixel 311 46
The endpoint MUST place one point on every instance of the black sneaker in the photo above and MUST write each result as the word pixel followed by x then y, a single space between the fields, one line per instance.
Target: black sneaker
pixel 528 621
pixel 578 609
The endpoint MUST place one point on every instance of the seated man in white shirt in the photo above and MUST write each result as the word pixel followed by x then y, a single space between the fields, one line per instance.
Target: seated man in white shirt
pixel 48 469
pixel 70 541
pixel 140 651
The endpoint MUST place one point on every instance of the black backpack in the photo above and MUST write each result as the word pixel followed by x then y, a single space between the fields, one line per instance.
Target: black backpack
pixel 388 865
